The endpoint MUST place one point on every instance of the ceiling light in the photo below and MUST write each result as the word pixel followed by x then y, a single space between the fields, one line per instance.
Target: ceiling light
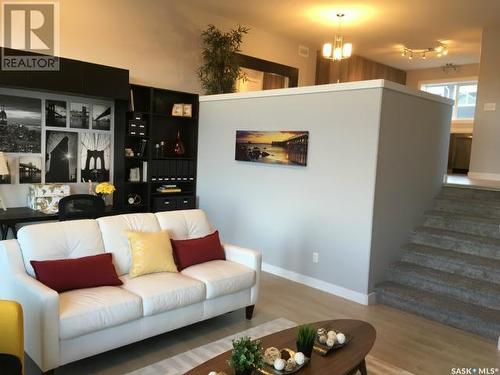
pixel 440 50
pixel 337 50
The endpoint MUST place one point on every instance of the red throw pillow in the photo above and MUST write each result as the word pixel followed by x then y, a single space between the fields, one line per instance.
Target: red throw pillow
pixel 68 274
pixel 198 250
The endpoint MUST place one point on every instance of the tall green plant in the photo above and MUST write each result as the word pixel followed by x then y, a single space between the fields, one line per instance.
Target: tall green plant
pixel 220 69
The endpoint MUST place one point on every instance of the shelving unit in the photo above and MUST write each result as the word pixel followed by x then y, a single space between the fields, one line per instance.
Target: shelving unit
pixel 152 107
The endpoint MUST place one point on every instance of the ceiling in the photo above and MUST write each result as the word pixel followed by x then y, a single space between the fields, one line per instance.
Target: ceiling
pixel 377 28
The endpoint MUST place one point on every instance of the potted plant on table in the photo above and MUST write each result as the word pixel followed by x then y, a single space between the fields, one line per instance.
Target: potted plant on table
pixel 305 340
pixel 246 356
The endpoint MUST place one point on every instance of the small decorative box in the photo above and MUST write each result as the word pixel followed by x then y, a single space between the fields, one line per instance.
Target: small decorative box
pixel 46 197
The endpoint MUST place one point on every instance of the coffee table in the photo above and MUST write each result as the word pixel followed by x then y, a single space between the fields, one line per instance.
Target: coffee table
pixel 344 361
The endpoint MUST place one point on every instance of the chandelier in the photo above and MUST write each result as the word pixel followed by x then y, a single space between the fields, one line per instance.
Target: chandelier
pixel 338 50
pixel 440 50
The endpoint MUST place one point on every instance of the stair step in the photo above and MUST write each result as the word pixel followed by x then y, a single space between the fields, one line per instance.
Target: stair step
pixel 483 208
pixel 481 226
pixel 461 242
pixel 471 266
pixel 481 293
pixel 471 193
pixel 447 310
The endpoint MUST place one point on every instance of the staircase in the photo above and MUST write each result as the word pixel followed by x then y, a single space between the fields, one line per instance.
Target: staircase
pixel 450 271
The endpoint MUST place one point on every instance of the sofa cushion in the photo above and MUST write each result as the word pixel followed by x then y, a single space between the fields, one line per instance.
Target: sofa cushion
pixel 221 277
pixel 115 240
pixel 164 291
pixel 68 274
pixel 151 252
pixel 84 311
pixel 60 240
pixel 198 250
pixel 185 224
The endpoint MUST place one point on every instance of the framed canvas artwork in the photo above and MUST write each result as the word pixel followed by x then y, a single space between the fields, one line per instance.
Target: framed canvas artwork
pixel 272 147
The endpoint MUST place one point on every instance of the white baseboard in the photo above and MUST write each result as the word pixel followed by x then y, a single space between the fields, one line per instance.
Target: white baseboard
pixel 484 176
pixel 352 295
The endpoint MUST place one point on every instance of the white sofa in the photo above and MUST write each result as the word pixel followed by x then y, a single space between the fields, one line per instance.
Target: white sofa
pixel 66 327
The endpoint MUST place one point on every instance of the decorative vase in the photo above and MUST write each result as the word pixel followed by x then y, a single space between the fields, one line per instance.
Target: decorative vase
pixel 179 148
pixel 306 350
pixel 104 197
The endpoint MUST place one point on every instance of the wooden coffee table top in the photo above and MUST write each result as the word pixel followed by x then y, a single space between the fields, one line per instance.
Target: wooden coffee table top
pixel 341 361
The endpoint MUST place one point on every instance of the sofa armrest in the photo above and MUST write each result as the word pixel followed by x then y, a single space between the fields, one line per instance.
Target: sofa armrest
pixel 11 258
pixel 249 258
pixel 246 257
pixel 40 307
pixel 41 319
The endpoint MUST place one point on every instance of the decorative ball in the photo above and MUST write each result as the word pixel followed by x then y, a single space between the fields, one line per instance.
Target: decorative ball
pixel 270 355
pixel 279 364
pixel 330 342
pixel 321 331
pixel 341 338
pixel 287 354
pixel 300 358
pixel 212 373
pixel 290 364
pixel 331 334
pixel 322 339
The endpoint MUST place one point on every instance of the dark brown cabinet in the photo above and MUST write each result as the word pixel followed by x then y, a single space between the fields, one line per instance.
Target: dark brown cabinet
pixel 459 153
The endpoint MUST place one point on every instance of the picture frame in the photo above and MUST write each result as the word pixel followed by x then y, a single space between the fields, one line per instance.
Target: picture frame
pixel 288 147
pixel 178 110
pixel 187 110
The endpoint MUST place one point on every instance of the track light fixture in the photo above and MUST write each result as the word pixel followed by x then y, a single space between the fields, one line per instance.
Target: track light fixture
pixel 440 50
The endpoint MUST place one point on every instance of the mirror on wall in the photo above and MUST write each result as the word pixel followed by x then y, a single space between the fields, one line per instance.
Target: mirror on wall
pixel 265 75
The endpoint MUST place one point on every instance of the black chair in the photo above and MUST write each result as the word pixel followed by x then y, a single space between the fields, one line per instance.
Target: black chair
pixel 81 206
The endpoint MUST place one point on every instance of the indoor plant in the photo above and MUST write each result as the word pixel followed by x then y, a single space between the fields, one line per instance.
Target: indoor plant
pixel 220 69
pixel 104 188
pixel 305 340
pixel 246 356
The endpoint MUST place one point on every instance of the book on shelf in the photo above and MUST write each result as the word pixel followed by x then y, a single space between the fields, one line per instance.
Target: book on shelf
pixel 169 189
pixel 144 171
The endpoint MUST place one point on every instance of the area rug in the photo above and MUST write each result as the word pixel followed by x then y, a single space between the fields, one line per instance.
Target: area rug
pixel 186 361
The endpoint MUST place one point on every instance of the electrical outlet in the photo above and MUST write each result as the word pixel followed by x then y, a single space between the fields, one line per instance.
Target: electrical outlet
pixel 315 257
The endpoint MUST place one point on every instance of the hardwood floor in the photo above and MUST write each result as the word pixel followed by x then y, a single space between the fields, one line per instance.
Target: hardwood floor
pixel 404 340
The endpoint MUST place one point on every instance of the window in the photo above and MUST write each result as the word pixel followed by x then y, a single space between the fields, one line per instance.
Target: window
pixel 463 93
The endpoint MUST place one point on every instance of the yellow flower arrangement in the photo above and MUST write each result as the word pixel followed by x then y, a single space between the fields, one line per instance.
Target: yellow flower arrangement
pixel 105 188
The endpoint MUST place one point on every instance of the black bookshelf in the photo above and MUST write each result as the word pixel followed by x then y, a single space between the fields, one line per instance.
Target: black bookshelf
pixel 152 132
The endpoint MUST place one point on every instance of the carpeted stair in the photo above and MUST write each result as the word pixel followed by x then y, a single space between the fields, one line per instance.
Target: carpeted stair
pixel 450 272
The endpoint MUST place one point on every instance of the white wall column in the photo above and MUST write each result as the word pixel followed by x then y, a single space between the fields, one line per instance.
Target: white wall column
pixel 485 156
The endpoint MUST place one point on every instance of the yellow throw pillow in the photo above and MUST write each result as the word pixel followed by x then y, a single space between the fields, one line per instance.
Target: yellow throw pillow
pixel 151 252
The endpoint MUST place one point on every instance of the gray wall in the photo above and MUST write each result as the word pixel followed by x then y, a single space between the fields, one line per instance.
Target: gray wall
pixel 360 195
pixel 289 212
pixel 412 160
pixel 485 155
